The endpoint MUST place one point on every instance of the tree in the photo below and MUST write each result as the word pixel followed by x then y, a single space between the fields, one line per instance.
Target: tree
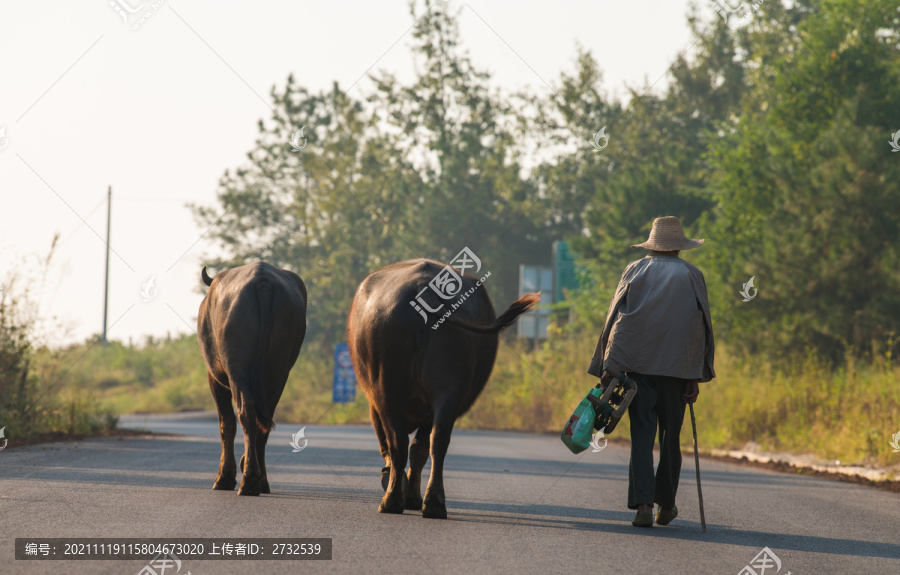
pixel 414 171
pixel 805 183
pixel 654 162
pixel 330 212
pixel 461 136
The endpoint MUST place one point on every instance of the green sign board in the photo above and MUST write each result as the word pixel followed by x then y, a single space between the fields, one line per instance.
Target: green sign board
pixel 564 270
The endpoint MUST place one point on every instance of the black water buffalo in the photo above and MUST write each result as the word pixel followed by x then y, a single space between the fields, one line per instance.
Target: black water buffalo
pixel 421 371
pixel 251 326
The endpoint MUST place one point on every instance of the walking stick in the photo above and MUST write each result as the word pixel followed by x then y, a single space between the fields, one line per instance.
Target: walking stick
pixel 697 465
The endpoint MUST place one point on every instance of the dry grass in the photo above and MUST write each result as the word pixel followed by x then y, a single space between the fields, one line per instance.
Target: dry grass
pixel 848 414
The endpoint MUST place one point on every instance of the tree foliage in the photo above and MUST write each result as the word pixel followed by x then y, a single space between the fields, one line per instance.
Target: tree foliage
pixel 412 171
pixel 805 182
pixel 769 140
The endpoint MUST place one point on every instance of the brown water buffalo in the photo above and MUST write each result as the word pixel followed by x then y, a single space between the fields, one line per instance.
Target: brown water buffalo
pixel 421 371
pixel 251 326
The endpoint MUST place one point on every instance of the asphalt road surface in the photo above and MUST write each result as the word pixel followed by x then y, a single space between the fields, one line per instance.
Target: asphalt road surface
pixel 517 503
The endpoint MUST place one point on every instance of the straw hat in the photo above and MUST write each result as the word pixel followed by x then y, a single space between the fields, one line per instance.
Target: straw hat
pixel 667 235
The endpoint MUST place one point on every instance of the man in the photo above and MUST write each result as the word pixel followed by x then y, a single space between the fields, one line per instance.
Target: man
pixel 659 332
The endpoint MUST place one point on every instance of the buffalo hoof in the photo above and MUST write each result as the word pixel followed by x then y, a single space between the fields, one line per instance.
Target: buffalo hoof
pixel 224 484
pixel 264 486
pixel 250 485
pixel 396 509
pixel 245 490
pixel 392 505
pixel 434 509
pixel 385 477
pixel 413 503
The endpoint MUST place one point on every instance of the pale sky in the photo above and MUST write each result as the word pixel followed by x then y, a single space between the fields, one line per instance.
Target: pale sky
pixel 159 113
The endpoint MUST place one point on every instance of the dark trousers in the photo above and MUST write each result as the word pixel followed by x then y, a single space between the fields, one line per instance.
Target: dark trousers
pixel 658 401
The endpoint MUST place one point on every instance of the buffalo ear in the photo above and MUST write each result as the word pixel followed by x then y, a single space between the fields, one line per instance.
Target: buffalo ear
pixel 205 277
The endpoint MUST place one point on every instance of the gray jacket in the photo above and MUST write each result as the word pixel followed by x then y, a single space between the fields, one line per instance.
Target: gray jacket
pixel 658 322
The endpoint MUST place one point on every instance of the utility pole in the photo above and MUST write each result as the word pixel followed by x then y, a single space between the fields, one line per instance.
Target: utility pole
pixel 106 284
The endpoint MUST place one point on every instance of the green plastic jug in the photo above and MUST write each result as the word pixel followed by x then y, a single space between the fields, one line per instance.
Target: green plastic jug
pixel 580 427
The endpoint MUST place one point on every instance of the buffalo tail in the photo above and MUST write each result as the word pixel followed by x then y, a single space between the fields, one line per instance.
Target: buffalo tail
pixel 266 309
pixel 506 319
pixel 205 277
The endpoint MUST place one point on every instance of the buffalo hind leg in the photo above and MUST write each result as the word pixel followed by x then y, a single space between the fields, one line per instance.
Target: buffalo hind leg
pixel 418 456
pixel 225 480
pixel 382 445
pixel 261 439
pixel 250 483
pixel 435 503
pixel 398 448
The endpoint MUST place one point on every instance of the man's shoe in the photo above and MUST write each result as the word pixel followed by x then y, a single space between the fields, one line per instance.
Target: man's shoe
pixel 644 519
pixel 666 517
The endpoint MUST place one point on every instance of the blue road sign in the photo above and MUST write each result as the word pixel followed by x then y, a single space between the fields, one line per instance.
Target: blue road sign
pixel 344 384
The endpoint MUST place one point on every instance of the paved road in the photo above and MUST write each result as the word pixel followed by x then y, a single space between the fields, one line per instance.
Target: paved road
pixel 518 503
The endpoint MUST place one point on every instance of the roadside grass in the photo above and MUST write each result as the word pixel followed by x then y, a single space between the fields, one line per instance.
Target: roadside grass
pixel 36 402
pixel 170 376
pixel 848 414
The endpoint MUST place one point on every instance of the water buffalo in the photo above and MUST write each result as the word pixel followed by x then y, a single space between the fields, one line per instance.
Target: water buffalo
pixel 421 376
pixel 251 326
